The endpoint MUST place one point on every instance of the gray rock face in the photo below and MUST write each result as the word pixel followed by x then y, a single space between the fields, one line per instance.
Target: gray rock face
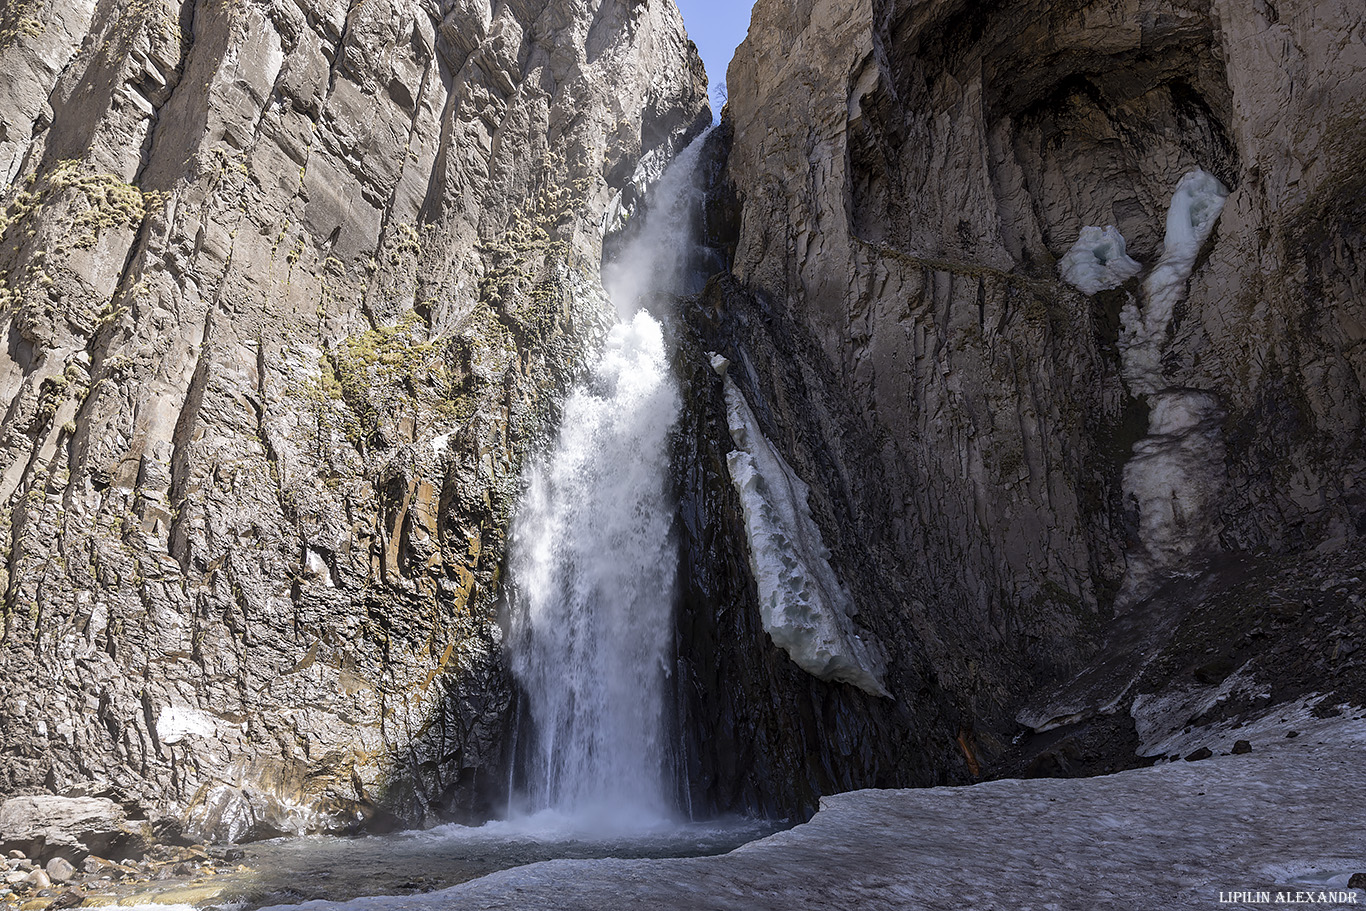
pixel 70 827
pixel 288 289
pixel 907 176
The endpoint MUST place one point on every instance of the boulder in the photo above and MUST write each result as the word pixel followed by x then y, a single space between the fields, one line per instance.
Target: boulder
pixel 59 869
pixel 44 827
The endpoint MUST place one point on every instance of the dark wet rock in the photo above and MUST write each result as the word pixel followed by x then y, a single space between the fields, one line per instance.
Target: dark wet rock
pixel 1202 753
pixel 989 393
pixel 1241 747
pixel 71 898
pixel 1358 881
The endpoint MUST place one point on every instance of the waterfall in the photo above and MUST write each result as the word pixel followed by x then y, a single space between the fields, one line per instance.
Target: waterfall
pixel 592 562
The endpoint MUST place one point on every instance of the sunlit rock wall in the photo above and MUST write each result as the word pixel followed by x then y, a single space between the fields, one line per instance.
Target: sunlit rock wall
pixel 287 289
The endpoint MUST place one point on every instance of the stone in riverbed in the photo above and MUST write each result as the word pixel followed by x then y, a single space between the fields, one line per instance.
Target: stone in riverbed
pixel 59 869
pixel 1241 747
pixel 1202 753
pixel 68 899
pixel 1358 881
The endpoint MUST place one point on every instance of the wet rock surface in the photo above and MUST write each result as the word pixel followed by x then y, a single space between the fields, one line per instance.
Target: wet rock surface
pixel 165 875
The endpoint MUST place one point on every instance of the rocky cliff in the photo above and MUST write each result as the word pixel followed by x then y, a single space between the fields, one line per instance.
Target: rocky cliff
pixel 905 182
pixel 288 289
pixel 1051 314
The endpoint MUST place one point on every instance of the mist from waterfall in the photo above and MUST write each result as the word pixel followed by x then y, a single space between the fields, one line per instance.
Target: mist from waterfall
pixel 593 565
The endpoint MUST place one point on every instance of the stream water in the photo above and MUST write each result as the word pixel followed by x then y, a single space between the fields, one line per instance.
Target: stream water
pixel 287 871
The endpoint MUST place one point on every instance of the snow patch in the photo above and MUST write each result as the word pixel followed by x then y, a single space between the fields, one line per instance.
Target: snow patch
pixel 1168 838
pixel 176 722
pixel 1195 207
pixel 1098 261
pixel 805 608
pixel 1162 722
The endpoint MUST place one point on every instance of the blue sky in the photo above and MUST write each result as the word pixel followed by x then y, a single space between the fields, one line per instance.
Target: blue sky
pixel 716 26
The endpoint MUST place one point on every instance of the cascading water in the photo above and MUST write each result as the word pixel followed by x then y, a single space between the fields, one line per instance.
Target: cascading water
pixel 593 566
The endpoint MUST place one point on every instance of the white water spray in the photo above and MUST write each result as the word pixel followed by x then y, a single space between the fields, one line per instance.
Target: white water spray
pixel 593 565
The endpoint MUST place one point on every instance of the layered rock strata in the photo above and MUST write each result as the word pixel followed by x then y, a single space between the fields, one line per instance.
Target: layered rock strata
pixel 288 290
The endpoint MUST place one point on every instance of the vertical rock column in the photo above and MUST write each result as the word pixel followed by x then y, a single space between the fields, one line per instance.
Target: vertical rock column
pixel 289 289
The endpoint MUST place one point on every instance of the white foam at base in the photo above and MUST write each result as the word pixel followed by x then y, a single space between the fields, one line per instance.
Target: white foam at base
pixel 805 608
pixel 1098 261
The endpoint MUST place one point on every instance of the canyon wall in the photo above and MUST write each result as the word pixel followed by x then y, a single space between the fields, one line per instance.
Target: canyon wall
pixel 288 290
pixel 904 179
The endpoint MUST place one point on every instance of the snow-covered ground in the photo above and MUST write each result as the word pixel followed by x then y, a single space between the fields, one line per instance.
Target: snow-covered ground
pixel 1284 820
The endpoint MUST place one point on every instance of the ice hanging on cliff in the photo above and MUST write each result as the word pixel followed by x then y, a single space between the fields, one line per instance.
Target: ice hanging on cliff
pixel 1175 477
pixel 803 605
pixel 1195 207
pixel 1098 261
pixel 592 559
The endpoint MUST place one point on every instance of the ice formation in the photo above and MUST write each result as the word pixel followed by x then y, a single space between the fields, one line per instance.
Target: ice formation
pixel 805 608
pixel 1176 476
pixel 1098 261
pixel 1195 207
